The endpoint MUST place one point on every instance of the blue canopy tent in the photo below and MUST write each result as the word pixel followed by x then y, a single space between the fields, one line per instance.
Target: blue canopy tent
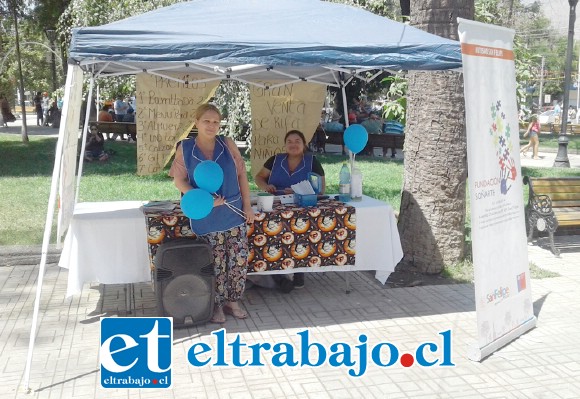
pixel 306 39
pixel 245 40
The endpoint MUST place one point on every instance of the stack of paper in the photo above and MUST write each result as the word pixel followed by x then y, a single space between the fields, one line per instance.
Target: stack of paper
pixel 303 188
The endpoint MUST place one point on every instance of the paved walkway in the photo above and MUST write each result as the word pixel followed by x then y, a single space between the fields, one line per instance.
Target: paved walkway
pixel 544 363
pixel 541 364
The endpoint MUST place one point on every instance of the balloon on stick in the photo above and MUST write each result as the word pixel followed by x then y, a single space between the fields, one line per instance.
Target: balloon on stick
pixel 356 138
pixel 196 203
pixel 209 176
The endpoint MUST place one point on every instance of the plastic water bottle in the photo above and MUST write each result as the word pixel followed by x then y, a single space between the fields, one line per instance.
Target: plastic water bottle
pixel 344 183
pixel 356 185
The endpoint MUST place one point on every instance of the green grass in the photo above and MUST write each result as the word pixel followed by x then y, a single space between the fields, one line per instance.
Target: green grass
pixel 26 171
pixel 551 141
pixel 463 272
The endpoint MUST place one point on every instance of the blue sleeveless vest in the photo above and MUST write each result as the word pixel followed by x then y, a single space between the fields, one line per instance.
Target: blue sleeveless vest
pixel 221 218
pixel 280 174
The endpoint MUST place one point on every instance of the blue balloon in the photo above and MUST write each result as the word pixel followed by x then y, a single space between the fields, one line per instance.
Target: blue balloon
pixel 356 138
pixel 196 203
pixel 209 176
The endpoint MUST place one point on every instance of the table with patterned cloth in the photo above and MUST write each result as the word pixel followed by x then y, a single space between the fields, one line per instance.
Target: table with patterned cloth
pixel 113 243
pixel 288 237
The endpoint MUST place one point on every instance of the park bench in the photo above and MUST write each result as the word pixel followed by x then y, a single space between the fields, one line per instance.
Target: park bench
pixel 553 202
pixel 554 128
pixel 121 128
pixel 383 140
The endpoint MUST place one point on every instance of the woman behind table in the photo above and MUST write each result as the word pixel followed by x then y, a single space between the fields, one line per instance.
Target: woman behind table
pixel 283 170
pixel 533 131
pixel 224 228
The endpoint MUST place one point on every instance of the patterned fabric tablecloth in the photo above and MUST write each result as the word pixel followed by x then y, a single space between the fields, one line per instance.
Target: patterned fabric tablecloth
pixel 289 237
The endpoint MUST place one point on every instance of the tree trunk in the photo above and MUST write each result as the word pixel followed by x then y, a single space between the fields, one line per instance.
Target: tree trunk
pixel 432 216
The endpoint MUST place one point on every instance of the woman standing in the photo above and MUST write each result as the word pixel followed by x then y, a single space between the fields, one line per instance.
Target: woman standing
pixel 283 170
pixel 533 131
pixel 224 228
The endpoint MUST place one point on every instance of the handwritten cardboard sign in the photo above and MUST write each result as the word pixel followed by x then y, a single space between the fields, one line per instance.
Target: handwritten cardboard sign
pixel 165 114
pixel 276 111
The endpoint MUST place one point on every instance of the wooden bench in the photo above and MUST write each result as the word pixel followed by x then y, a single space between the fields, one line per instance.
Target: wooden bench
pixel 383 140
pixel 121 128
pixel 553 128
pixel 552 202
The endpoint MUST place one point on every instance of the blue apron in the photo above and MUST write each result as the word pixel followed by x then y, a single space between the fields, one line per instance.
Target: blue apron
pixel 280 175
pixel 221 218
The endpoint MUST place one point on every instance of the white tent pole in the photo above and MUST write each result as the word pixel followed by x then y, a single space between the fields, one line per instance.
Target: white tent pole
pixel 84 138
pixel 345 109
pixel 46 237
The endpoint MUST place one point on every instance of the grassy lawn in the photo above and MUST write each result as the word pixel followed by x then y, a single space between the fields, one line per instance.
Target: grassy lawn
pixel 551 141
pixel 26 171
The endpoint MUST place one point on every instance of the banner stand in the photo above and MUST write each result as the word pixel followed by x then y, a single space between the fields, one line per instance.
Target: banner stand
pixel 477 354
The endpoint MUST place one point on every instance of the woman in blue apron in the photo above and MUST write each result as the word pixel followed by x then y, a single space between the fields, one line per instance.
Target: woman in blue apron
pixel 283 170
pixel 224 228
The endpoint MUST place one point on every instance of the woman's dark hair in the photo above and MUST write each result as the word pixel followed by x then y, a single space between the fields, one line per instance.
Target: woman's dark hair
pixel 299 134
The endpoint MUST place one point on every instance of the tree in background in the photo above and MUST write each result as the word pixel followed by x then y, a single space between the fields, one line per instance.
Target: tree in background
pixel 432 214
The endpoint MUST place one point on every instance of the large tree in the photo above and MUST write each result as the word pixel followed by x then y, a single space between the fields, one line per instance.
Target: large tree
pixel 432 216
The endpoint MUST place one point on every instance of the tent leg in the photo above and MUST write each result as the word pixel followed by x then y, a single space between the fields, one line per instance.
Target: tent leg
pixel 45 241
pixel 345 110
pixel 347 281
pixel 129 290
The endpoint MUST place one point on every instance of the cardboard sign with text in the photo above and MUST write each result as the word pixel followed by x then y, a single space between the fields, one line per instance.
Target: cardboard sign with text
pixel 276 111
pixel 165 114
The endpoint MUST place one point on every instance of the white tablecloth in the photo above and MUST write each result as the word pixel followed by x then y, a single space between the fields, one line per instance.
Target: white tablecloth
pixel 107 243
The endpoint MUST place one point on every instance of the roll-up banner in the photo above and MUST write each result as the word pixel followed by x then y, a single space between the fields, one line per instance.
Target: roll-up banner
pixel 503 299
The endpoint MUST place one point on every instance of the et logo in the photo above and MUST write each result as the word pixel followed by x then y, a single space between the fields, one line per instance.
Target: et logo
pixel 136 352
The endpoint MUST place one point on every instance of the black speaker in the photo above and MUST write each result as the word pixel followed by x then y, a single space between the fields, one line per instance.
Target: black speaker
pixel 185 281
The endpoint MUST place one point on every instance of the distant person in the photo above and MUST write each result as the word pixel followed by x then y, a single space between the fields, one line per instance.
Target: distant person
pixel 53 116
pixel 130 118
pixel 120 108
pixel 104 114
pixel 571 114
pixel 374 124
pixel 352 118
pixel 37 101
pixel 7 115
pixel 95 147
pixel 45 107
pixel 557 109
pixel 534 132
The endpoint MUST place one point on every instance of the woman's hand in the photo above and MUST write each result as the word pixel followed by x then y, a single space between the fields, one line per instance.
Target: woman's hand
pixel 249 214
pixel 288 190
pixel 218 200
pixel 270 188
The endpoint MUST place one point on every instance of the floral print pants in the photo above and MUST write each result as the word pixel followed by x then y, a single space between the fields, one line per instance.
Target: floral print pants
pixel 230 251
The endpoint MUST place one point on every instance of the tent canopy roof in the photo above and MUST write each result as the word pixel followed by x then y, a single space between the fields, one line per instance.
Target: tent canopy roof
pixel 302 38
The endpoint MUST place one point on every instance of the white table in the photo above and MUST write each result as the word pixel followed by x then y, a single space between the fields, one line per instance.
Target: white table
pixel 107 243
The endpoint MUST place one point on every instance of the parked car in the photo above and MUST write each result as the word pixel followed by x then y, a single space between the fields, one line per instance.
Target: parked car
pixel 547 117
pixel 28 106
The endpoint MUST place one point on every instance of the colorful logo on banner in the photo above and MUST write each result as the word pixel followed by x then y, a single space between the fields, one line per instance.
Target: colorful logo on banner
pixel 500 132
pixel 521 281
pixel 136 352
